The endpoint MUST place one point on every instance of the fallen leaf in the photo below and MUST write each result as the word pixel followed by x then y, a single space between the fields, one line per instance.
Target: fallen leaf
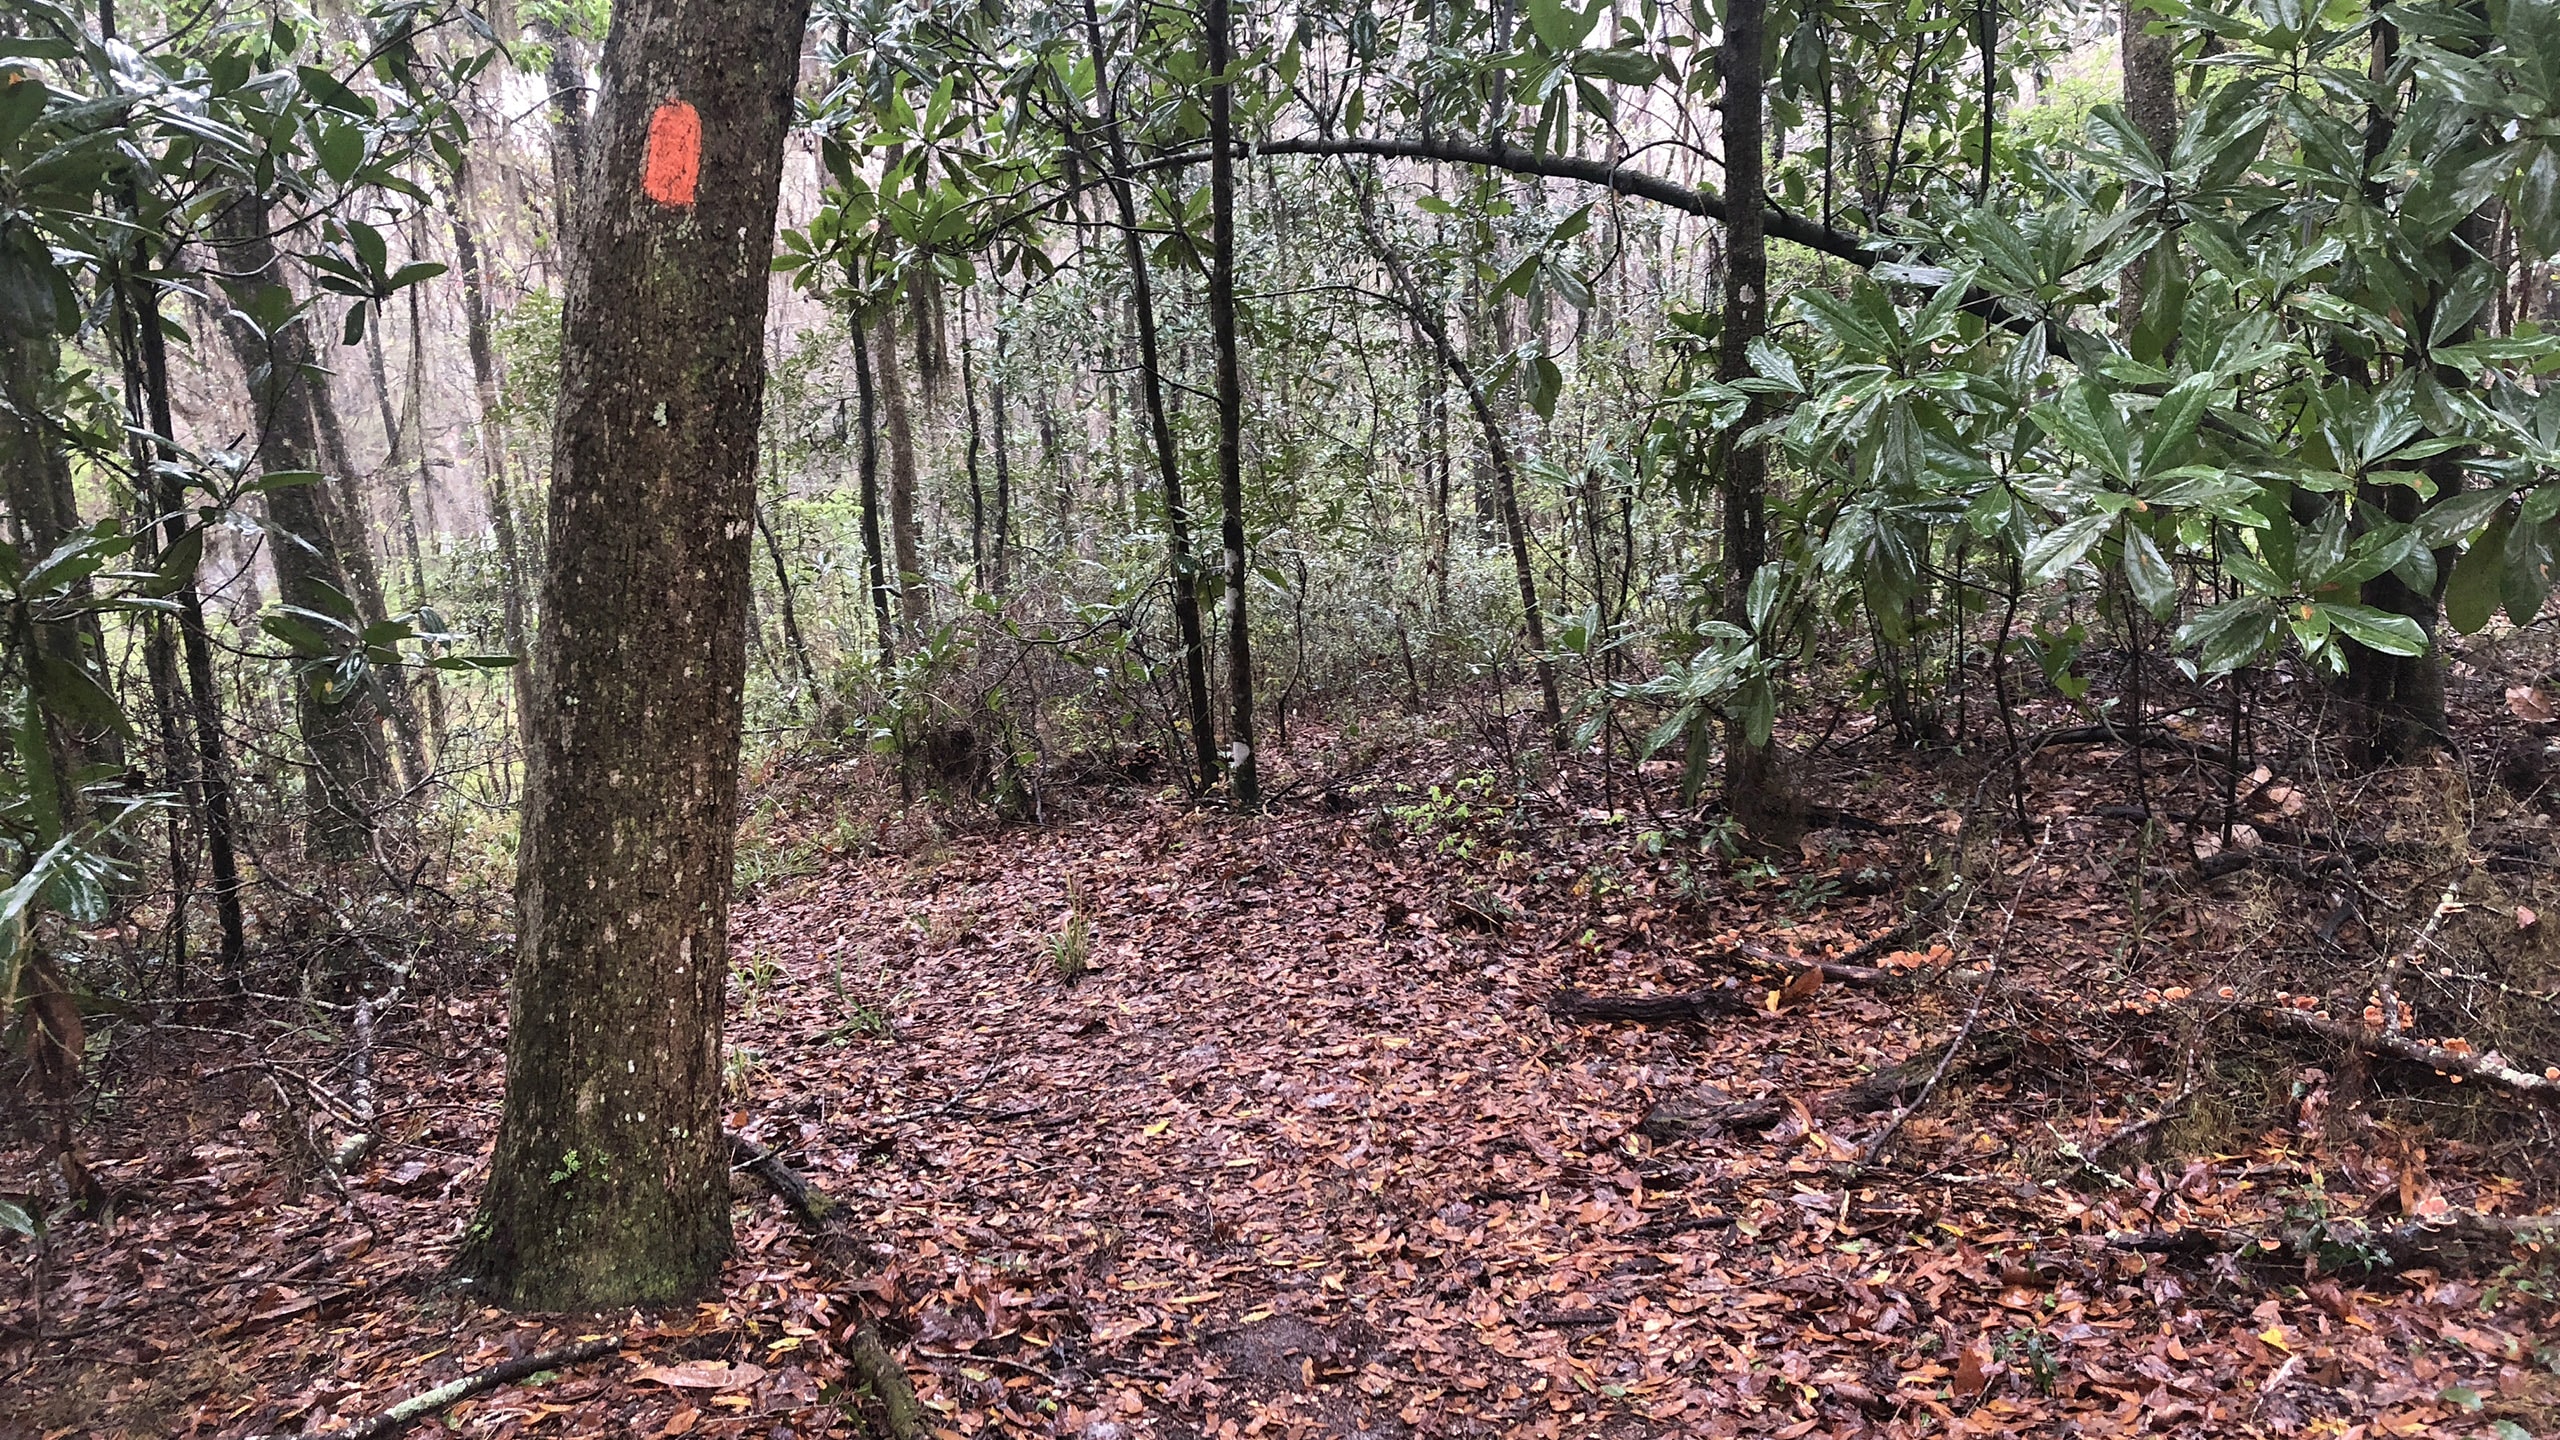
pixel 1973 1372
pixel 2530 705
pixel 701 1375
pixel 1801 988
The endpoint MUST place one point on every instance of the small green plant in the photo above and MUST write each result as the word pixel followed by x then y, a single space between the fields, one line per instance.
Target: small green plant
pixel 739 1069
pixel 1452 812
pixel 1812 891
pixel 570 1165
pixel 1071 948
pixel 753 976
pixel 2031 1352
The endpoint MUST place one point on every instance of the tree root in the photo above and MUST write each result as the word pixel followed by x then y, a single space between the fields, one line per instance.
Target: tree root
pixel 444 1397
pixel 818 1214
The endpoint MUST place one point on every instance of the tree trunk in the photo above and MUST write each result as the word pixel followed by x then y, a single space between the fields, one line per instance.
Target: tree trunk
pixel 977 442
pixel 43 513
pixel 791 637
pixel 406 431
pixel 609 1184
pixel 1755 793
pixel 1243 765
pixel 2150 65
pixel 1001 575
pixel 348 766
pixel 493 453
pixel 2399 700
pixel 146 373
pixel 568 115
pixel 1186 595
pixel 866 390
pixel 892 383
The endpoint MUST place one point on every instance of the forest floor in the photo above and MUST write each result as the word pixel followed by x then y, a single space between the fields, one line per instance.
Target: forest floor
pixel 1308 1149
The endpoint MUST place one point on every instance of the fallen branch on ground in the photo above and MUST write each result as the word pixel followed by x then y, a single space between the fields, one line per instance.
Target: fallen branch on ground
pixel 1672 1009
pixel 1875 1148
pixel 444 1397
pixel 2489 1069
pixel 862 1347
pixel 813 1207
pixel 2465 1242
pixel 1679 1117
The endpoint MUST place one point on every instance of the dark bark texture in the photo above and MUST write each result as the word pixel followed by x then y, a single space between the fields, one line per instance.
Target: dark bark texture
pixel 610 1182
pixel 1755 790
pixel 1243 765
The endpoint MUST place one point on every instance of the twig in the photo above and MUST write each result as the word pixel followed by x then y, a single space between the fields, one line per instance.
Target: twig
pixel 1893 1127
pixel 2490 1069
pixel 444 1397
pixel 2390 987
pixel 1990 981
pixel 366 1134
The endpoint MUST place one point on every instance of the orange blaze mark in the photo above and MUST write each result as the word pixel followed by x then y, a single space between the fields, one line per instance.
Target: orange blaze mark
pixel 674 163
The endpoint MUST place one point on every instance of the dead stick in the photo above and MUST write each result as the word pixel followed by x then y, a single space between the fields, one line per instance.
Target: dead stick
pixel 444 1397
pixel 2482 1068
pixel 1893 1127
pixel 818 1212
pixel 1964 1032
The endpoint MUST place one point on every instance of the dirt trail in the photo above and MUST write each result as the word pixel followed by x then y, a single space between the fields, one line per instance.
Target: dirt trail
pixel 1305 1152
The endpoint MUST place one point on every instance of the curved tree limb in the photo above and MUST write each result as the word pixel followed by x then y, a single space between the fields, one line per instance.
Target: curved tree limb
pixel 1700 200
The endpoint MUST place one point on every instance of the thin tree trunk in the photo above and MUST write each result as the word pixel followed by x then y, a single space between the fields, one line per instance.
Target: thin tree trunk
pixel 2150 66
pixel 512 622
pixel 1243 764
pixel 892 384
pixel 146 365
pixel 1002 575
pixel 1186 598
pixel 1505 484
pixel 1755 792
pixel 567 112
pixel 977 490
pixel 609 1184
pixel 870 477
pixel 791 636
pixel 44 512
pixel 405 430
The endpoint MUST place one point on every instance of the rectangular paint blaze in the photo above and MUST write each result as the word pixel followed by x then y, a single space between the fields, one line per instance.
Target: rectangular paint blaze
pixel 674 162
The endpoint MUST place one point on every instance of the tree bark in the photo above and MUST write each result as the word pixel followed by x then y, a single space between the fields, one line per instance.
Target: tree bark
pixel 1754 790
pixel 867 388
pixel 2150 67
pixel 609 1184
pixel 1186 596
pixel 892 384
pixel 348 767
pixel 1243 765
